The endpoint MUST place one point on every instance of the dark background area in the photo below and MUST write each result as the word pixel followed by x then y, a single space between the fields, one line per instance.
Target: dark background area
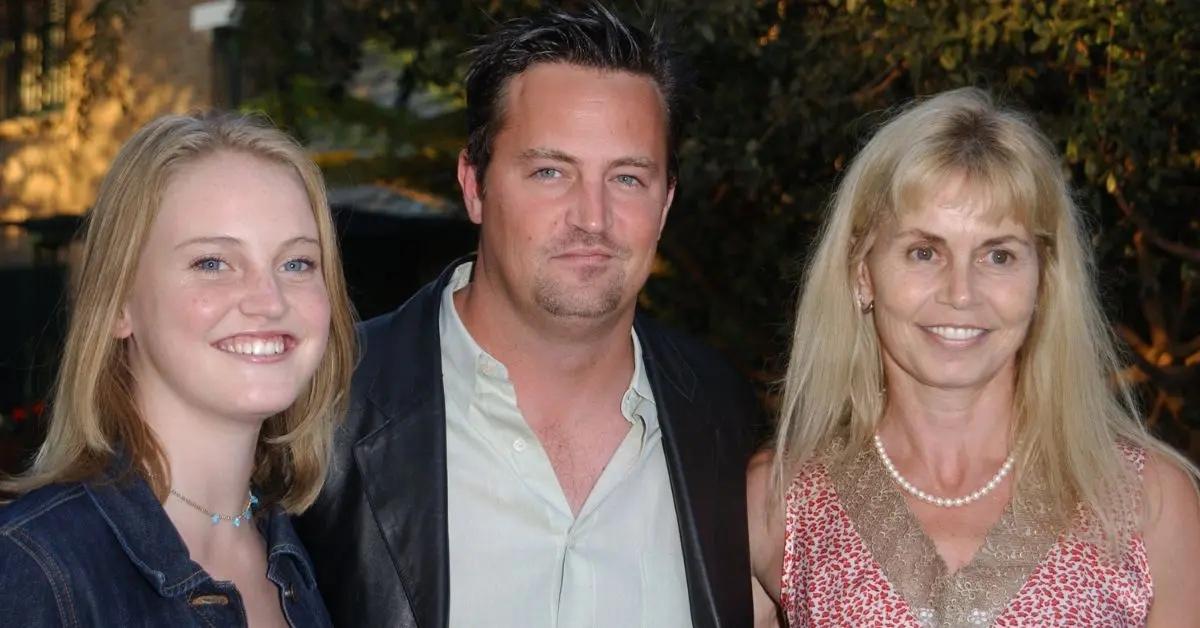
pixel 787 93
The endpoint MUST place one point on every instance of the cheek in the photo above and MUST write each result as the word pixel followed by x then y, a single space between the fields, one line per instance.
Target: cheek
pixel 311 304
pixel 505 224
pixel 185 311
pixel 899 296
pixel 1018 300
pixel 638 225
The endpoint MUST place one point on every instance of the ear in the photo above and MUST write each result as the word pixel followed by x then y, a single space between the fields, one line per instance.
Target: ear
pixel 863 288
pixel 662 221
pixel 123 327
pixel 469 183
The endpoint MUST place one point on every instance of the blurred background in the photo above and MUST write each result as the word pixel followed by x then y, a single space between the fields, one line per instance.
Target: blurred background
pixel 788 91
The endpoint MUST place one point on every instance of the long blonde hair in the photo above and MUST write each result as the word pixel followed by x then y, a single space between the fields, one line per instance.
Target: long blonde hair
pixel 1072 408
pixel 93 410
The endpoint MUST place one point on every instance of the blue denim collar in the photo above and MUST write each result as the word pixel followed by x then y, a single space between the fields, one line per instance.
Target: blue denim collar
pixel 149 539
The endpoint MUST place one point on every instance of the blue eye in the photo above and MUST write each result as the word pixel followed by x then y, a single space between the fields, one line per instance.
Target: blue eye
pixel 547 173
pixel 209 264
pixel 298 265
pixel 628 180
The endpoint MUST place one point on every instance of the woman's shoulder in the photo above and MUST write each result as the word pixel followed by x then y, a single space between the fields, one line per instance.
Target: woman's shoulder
pixel 1171 532
pixel 1169 483
pixel 38 507
pixel 37 531
pixel 50 523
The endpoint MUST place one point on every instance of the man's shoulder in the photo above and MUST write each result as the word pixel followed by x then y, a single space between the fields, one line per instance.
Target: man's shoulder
pixel 397 352
pixel 386 337
pixel 376 332
pixel 680 349
pixel 713 386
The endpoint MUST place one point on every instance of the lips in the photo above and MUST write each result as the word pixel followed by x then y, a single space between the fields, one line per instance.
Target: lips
pixel 954 333
pixel 586 254
pixel 257 345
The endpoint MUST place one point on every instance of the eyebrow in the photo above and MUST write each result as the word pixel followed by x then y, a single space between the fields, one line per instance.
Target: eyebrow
pixel 230 241
pixel 551 154
pixel 998 240
pixel 558 155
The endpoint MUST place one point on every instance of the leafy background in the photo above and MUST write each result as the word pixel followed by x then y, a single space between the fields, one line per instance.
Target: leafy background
pixel 788 91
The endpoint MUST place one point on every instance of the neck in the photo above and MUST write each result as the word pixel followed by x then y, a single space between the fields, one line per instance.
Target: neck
pixel 210 460
pixel 948 430
pixel 575 350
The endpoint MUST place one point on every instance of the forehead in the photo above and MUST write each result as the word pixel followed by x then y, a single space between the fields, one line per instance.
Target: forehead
pixel 956 203
pixel 565 103
pixel 235 194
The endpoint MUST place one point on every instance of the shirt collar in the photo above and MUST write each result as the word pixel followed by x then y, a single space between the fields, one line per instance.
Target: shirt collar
pixel 465 359
pixel 639 398
pixel 461 354
pixel 154 546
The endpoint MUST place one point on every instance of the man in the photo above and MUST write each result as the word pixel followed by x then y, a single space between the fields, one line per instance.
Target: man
pixel 523 448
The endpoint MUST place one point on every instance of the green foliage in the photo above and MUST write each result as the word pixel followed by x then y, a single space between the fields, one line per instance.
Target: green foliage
pixel 788 92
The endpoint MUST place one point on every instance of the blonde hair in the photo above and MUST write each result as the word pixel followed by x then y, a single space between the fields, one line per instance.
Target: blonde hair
pixel 93 411
pixel 1072 408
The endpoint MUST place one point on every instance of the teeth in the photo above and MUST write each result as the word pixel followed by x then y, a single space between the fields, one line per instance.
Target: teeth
pixel 956 333
pixel 256 346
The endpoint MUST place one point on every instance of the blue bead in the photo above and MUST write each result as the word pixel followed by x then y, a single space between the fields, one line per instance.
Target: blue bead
pixel 253 500
pixel 216 519
pixel 237 522
pixel 246 514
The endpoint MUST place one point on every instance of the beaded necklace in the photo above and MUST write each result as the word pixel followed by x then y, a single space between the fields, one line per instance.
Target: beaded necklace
pixel 216 517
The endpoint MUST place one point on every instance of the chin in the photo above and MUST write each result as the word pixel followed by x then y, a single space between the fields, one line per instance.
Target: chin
pixel 951 378
pixel 589 302
pixel 261 404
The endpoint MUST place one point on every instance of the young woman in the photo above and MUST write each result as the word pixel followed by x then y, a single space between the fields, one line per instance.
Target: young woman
pixel 955 447
pixel 210 345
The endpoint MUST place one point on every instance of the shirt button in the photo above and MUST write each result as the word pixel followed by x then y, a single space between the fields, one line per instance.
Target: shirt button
pixel 519 445
pixel 289 593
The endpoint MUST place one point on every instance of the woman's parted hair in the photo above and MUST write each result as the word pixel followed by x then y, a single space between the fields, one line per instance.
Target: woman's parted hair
pixel 93 411
pixel 1073 410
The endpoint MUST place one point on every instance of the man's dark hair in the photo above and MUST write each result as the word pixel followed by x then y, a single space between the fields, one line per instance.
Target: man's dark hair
pixel 593 38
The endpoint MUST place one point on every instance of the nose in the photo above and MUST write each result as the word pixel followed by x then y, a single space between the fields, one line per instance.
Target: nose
pixel 264 296
pixel 958 289
pixel 590 211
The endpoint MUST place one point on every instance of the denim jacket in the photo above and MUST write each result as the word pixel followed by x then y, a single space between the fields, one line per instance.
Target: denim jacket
pixel 104 553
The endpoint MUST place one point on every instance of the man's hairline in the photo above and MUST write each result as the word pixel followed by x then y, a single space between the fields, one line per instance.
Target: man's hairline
pixel 497 123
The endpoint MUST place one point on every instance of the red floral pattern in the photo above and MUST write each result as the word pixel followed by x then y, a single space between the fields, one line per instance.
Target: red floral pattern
pixel 831 579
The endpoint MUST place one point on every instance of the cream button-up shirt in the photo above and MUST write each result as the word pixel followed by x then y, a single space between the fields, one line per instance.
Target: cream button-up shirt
pixel 518 556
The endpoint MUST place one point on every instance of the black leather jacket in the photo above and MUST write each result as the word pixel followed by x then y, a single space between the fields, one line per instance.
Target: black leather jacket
pixel 377 534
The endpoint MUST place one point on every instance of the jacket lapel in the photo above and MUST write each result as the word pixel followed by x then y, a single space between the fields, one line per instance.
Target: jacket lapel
pixel 688 445
pixel 403 462
pixel 404 475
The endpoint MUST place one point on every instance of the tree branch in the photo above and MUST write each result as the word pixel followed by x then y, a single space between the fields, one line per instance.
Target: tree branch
pixel 1178 249
pixel 868 93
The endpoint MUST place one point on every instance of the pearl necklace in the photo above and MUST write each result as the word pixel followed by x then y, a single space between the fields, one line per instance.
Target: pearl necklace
pixel 944 502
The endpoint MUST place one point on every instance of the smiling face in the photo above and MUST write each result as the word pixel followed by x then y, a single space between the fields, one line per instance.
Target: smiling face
pixel 228 315
pixel 954 290
pixel 576 192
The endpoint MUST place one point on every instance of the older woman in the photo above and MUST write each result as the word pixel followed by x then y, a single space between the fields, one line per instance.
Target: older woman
pixel 952 450
pixel 209 348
